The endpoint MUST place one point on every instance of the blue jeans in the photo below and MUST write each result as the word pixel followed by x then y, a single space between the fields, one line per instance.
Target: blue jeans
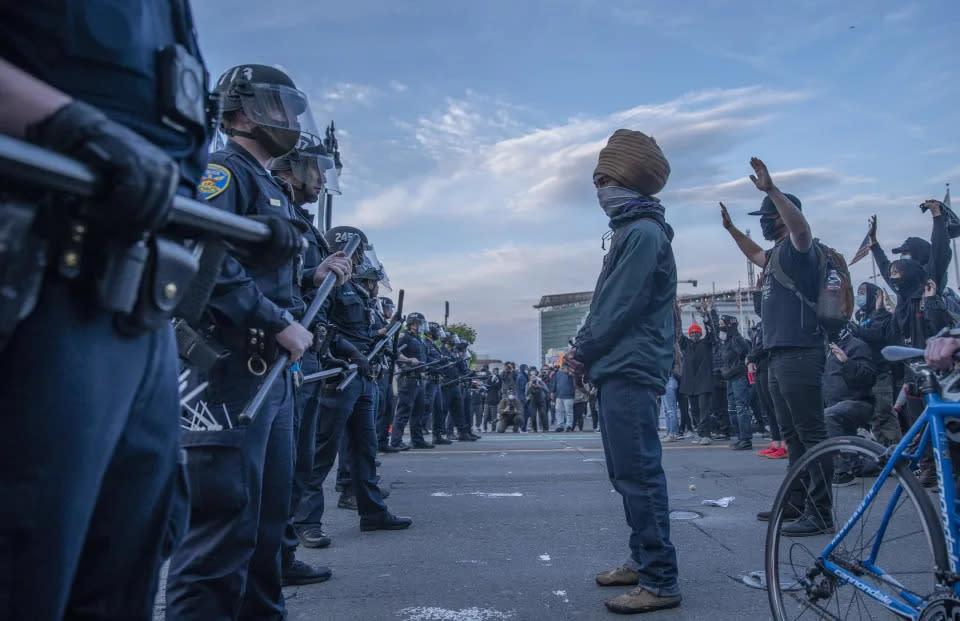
pixel 671 409
pixel 352 408
pixel 228 566
pixel 631 445
pixel 738 407
pixel 88 463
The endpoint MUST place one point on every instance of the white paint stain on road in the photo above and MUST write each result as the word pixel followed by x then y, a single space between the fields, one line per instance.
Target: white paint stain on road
pixel 544 557
pixel 562 595
pixel 441 495
pixel 497 494
pixel 433 613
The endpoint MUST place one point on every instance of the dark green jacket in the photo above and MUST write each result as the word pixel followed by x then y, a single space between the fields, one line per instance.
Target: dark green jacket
pixel 629 330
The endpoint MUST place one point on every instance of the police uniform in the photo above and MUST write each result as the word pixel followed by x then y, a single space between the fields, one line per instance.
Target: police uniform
pixel 453 397
pixel 432 398
pixel 307 397
pixel 229 561
pixel 88 450
pixel 385 400
pixel 352 408
pixel 409 395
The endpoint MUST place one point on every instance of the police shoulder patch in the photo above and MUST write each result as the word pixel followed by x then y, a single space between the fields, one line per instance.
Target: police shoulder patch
pixel 216 179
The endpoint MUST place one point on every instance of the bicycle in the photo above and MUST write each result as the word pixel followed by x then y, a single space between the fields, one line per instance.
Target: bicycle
pixel 895 553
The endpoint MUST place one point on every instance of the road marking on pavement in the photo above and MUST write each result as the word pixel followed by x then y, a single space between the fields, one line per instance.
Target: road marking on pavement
pixel 433 613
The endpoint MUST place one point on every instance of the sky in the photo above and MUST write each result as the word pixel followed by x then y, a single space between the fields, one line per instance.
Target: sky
pixel 469 131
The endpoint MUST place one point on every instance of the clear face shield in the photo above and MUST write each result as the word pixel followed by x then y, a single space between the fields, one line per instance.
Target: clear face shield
pixel 370 261
pixel 283 114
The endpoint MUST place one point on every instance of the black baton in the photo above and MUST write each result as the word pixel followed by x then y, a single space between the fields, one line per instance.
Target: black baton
pixel 376 349
pixel 323 291
pixel 28 163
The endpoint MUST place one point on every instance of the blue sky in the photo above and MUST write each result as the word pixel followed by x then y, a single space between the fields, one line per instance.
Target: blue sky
pixel 469 130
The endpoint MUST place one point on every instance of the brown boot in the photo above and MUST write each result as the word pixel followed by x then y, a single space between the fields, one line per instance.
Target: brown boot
pixel 641 600
pixel 621 576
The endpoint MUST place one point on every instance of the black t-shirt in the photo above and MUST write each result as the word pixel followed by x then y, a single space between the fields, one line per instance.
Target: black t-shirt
pixel 787 321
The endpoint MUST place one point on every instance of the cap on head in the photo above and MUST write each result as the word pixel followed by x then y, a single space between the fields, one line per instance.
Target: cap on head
pixel 695 329
pixel 918 249
pixel 635 161
pixel 768 208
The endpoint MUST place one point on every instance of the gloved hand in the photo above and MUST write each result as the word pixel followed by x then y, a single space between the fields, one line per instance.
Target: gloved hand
pixel 137 180
pixel 347 350
pixel 285 243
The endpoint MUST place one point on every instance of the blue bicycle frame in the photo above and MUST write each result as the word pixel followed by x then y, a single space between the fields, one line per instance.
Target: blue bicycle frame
pixel 932 426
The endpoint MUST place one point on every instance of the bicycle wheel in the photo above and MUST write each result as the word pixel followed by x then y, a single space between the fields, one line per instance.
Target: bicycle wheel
pixel 911 549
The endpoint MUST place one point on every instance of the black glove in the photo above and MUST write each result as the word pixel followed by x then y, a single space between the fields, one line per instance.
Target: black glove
pixel 286 242
pixel 349 351
pixel 137 179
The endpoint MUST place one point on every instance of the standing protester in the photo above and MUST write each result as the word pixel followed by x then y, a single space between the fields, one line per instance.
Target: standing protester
pixel 492 400
pixel 794 340
pixel 522 378
pixel 933 256
pixel 625 348
pixel 564 392
pixel 303 170
pixel 228 565
pixel 733 354
pixel 758 363
pixel 537 396
pixel 696 379
pixel 348 310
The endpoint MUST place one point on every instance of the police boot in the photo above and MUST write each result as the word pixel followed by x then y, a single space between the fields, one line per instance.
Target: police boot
pixel 441 440
pixel 299 573
pixel 463 437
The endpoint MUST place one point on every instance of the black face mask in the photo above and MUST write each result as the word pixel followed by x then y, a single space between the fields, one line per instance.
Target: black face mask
pixel 771 227
pixel 276 141
pixel 896 283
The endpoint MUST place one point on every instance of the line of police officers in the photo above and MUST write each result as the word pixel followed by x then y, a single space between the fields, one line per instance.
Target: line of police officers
pixel 95 459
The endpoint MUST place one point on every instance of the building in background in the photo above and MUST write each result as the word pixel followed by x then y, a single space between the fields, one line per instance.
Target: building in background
pixel 561 315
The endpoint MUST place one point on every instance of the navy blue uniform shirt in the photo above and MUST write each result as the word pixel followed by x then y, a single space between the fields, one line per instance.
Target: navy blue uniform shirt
pixel 245 295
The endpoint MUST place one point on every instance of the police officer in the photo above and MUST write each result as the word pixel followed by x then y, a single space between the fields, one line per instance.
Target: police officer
pixel 347 310
pixel 228 566
pixel 410 399
pixel 101 440
pixel 432 395
pixel 386 401
pixel 452 396
pixel 303 170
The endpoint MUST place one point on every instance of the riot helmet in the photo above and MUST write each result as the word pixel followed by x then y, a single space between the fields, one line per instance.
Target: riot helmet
pixel 452 340
pixel 269 98
pixel 388 307
pixel 416 318
pixel 307 168
pixel 435 330
pixel 366 261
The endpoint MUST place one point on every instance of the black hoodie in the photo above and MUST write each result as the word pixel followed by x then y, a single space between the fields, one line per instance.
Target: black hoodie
pixel 916 318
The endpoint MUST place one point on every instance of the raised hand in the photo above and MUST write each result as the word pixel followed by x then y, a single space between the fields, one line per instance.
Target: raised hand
pixel 872 228
pixel 762 178
pixel 725 217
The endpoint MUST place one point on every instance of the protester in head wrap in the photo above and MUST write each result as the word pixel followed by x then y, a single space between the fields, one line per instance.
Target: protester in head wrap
pixel 626 348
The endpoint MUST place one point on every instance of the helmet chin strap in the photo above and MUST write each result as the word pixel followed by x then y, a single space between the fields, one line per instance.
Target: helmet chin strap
pixel 232 131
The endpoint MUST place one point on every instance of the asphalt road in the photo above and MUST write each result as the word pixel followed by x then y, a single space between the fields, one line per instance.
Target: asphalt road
pixel 516 527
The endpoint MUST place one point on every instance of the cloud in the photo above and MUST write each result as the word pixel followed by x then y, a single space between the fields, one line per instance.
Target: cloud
pixel 398 87
pixel 494 289
pixel 345 94
pixel 946 176
pixel 490 158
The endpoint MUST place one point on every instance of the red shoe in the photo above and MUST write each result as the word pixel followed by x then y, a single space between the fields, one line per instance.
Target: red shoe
pixel 780 453
pixel 766 451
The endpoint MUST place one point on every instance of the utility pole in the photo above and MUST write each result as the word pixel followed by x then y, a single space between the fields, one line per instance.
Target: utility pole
pixel 333 150
pixel 751 277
